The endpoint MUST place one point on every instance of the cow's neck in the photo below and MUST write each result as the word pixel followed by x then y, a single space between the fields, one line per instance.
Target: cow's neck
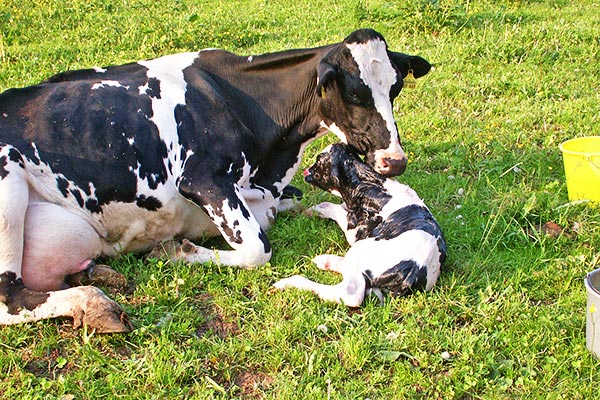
pixel 277 91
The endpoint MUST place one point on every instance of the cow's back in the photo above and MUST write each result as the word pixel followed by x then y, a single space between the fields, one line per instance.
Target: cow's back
pixel 93 127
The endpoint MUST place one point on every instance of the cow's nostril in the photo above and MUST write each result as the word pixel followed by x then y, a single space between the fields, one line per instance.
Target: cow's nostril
pixel 393 166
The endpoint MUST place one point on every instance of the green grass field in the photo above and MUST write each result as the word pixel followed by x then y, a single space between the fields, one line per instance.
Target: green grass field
pixel 512 80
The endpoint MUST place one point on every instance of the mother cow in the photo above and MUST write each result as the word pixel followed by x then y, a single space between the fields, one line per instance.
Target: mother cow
pixel 110 160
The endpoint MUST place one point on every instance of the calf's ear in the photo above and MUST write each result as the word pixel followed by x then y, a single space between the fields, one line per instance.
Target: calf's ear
pixel 325 76
pixel 405 62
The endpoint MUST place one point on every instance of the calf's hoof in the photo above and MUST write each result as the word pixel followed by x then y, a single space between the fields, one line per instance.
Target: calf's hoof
pixel 294 281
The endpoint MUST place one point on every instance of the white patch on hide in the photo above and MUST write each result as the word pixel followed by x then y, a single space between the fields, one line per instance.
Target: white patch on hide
pixel 109 83
pixel 377 73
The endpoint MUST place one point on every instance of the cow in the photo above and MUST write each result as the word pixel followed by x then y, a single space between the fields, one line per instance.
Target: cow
pixel 396 244
pixel 103 161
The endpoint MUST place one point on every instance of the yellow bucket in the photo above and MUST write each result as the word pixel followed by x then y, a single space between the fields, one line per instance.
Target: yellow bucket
pixel 581 158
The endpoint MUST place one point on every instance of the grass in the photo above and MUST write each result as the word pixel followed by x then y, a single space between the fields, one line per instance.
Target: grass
pixel 512 80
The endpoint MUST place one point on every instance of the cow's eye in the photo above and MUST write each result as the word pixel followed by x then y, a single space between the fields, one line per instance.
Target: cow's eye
pixel 353 97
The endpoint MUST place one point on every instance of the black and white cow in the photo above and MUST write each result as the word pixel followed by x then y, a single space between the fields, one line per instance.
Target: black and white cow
pixel 118 159
pixel 396 244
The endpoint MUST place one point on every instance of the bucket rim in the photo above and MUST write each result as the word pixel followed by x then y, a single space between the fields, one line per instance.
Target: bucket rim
pixel 588 284
pixel 589 153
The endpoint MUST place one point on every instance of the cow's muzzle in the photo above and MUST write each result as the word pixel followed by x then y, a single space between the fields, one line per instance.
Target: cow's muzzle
pixel 390 166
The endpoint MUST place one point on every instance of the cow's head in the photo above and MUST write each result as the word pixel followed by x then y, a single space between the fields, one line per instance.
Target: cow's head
pixel 357 81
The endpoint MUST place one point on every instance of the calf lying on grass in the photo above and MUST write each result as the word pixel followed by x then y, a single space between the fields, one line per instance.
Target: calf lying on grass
pixel 396 244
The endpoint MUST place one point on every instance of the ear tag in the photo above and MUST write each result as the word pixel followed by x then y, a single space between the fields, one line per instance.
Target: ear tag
pixel 409 80
pixel 323 91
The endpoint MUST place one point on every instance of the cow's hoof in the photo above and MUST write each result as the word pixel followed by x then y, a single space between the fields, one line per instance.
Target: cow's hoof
pixel 98 275
pixel 187 248
pixel 292 192
pixel 101 314
pixel 173 250
pixel 167 249
pixel 104 275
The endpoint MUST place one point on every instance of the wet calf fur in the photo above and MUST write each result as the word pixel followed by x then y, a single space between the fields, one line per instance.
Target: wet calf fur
pixel 396 244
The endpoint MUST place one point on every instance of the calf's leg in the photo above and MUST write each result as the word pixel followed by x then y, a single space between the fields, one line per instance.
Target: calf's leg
pixel 329 262
pixel 338 213
pixel 350 291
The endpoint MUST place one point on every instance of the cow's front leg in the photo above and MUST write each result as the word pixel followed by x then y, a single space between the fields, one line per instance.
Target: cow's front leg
pixel 262 205
pixel 232 216
pixel 290 199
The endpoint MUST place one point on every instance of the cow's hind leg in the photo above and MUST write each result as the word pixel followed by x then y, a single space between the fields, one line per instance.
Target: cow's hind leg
pixel 18 304
pixel 57 243
pixel 14 197
pixel 60 244
pixel 86 305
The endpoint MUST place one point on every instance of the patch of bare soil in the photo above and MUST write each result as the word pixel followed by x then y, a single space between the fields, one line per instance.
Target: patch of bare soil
pixel 252 384
pixel 553 230
pixel 49 366
pixel 218 326
pixel 216 323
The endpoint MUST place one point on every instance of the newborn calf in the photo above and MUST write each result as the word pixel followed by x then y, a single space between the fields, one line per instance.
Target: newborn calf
pixel 396 244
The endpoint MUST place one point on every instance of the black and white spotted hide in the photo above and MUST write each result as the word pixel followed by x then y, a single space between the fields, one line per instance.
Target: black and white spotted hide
pixel 396 244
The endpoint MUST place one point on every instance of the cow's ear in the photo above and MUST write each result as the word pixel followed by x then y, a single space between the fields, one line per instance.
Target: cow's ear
pixel 325 76
pixel 405 62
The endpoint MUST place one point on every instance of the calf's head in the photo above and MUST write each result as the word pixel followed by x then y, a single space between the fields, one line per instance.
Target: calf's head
pixel 358 81
pixel 340 171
